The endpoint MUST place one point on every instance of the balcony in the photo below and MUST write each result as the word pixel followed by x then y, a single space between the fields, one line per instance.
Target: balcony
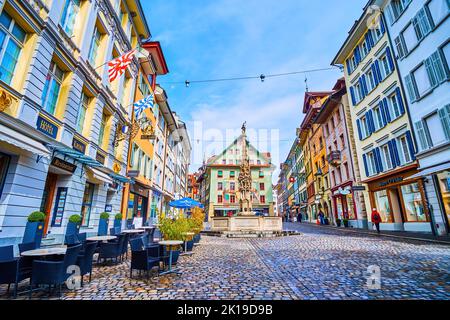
pixel 334 158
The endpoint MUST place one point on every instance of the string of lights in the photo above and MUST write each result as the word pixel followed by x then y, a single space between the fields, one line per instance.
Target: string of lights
pixel 261 77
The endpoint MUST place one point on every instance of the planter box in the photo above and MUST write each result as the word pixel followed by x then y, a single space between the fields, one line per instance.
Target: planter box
pixel 190 245
pixel 72 228
pixel 196 238
pixel 118 224
pixel 33 233
pixel 103 227
pixel 175 255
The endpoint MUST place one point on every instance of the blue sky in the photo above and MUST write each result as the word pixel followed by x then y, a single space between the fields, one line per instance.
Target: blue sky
pixel 209 39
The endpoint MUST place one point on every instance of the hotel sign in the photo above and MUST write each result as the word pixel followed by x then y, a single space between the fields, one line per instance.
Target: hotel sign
pixel 78 145
pixel 64 165
pixel 47 127
pixel 391 181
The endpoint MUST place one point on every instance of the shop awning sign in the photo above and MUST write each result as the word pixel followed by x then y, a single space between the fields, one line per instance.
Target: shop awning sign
pixel 64 165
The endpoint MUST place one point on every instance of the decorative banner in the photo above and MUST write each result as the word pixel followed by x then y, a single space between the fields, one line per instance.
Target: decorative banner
pixel 143 104
pixel 118 66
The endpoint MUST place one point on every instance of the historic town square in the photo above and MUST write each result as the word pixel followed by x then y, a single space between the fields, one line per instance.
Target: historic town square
pixel 224 150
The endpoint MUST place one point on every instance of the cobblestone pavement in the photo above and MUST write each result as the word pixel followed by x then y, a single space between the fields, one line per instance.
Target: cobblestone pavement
pixel 318 264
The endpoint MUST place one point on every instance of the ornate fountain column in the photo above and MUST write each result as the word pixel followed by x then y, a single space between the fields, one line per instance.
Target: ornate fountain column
pixel 245 180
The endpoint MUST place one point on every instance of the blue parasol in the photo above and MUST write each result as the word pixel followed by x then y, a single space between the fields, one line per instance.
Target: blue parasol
pixel 185 203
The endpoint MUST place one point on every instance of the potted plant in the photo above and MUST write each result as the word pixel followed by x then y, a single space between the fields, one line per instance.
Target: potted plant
pixel 34 229
pixel 73 226
pixel 338 222
pixel 103 224
pixel 118 221
pixel 345 223
pixel 198 216
pixel 173 229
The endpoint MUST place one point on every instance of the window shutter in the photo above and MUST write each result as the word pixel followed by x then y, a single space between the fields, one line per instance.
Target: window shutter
pixel 358 124
pixel 410 86
pixel 347 62
pixel 392 153
pixel 375 75
pixel 364 85
pixel 352 94
pixel 444 114
pixel 420 130
pixel 366 37
pixel 390 60
pixel 378 160
pixel 399 43
pixel 365 165
pixel 382 26
pixel 357 55
pixel 386 110
pixel 377 67
pixel 395 152
pixel 370 123
pixel 383 113
pixel 370 38
pixel 400 100
pixel 439 67
pixel 431 72
pixel 412 149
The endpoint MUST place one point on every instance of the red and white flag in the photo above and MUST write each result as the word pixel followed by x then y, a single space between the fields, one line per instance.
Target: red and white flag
pixel 118 66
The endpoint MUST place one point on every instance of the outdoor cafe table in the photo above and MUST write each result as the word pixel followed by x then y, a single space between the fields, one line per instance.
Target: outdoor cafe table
pixel 133 231
pixel 101 238
pixel 189 237
pixel 170 244
pixel 44 252
pixel 146 228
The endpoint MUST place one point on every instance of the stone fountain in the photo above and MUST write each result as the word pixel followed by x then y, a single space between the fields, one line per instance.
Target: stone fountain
pixel 246 224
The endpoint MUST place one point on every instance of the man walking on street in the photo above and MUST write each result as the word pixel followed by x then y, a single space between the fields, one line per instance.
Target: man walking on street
pixel 376 219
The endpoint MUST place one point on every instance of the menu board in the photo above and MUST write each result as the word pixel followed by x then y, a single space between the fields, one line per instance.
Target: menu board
pixel 60 204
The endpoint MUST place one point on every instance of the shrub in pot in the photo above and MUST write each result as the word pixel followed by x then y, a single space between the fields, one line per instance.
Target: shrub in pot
pixel 73 226
pixel 103 224
pixel 118 221
pixel 345 221
pixel 338 222
pixel 34 229
pixel 173 229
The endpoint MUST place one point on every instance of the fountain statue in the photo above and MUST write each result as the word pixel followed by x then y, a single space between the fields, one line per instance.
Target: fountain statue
pixel 245 180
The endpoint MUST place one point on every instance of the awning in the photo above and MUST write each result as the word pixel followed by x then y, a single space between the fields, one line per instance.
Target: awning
pixel 98 176
pixel 431 170
pixel 78 156
pixel 22 141
pixel 120 178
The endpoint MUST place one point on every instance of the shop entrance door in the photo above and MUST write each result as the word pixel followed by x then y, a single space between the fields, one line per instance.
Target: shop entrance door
pixel 47 198
pixel 397 209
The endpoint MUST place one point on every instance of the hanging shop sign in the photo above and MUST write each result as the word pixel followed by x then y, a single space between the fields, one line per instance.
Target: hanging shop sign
pixel 60 204
pixel 64 165
pixel 47 127
pixel 100 158
pixel 5 100
pixel 359 188
pixel 108 208
pixel 133 173
pixel 78 145
pixel 116 168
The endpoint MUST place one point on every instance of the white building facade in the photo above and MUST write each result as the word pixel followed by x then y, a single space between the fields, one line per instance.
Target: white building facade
pixel 420 33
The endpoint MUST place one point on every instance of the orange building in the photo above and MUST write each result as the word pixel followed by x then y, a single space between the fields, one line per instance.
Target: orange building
pixel 312 140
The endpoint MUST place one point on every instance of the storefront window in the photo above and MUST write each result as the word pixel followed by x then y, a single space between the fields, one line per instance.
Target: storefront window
pixel 412 199
pixel 339 208
pixel 444 185
pixel 382 205
pixel 137 207
pixel 351 207
pixel 87 204
pixel 4 161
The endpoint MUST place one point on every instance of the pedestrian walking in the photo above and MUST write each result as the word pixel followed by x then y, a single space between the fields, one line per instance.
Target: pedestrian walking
pixel 376 219
pixel 300 217
pixel 321 217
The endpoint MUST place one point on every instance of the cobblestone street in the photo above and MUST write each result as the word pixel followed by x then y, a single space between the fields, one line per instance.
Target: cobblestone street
pixel 319 264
